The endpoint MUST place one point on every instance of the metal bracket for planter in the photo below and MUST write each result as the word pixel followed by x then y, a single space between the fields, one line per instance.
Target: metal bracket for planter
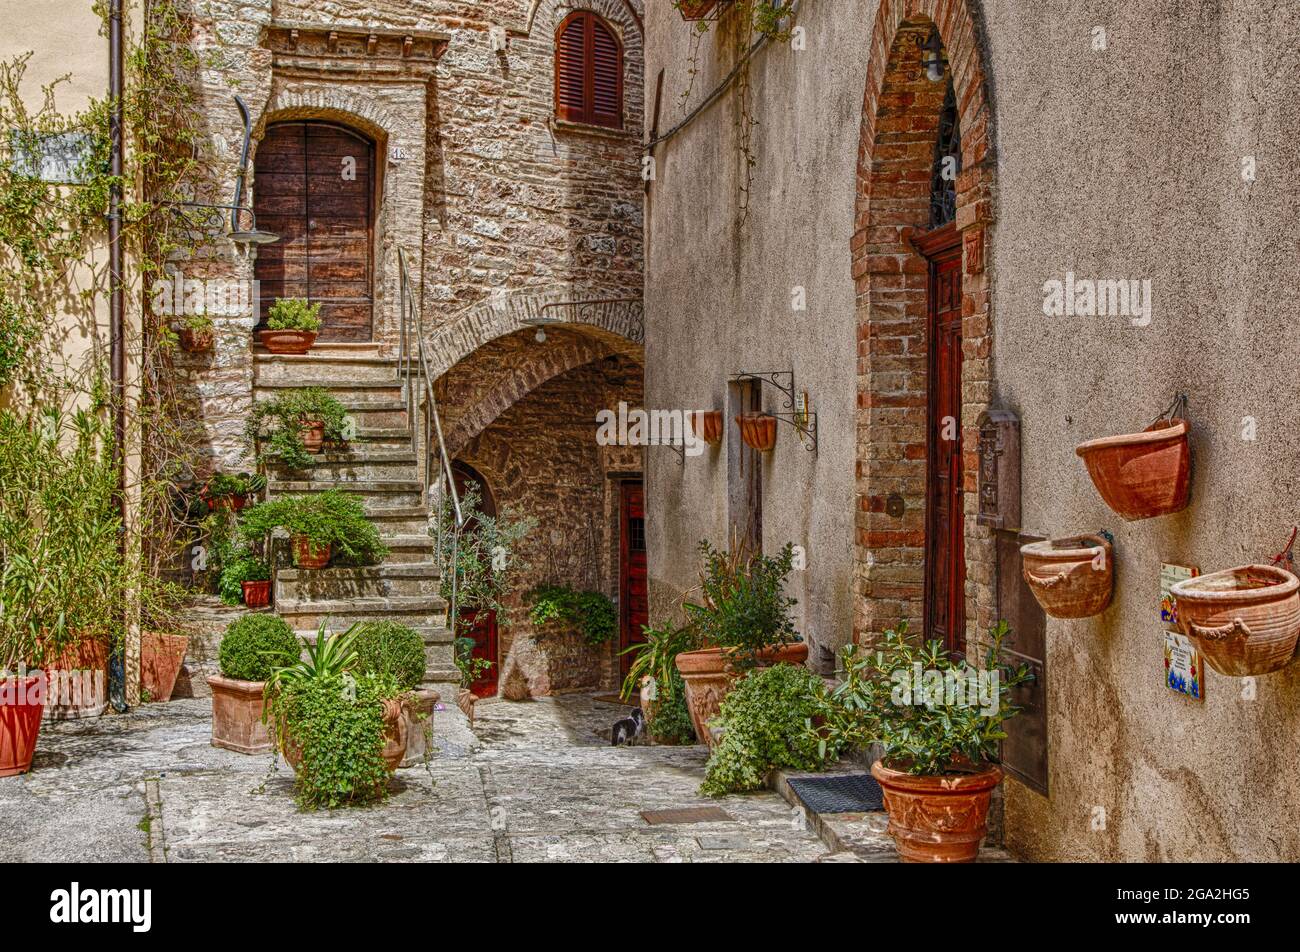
pixel 805 424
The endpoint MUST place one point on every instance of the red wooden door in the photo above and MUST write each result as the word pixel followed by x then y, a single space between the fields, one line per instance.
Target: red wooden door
pixel 314 187
pixel 633 600
pixel 945 558
pixel 480 625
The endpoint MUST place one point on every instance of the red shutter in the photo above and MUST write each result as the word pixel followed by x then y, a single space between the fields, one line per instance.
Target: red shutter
pixel 588 71
pixel 606 77
pixel 571 69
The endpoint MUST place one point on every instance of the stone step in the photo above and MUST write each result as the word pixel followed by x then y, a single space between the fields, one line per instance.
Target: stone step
pixel 378 493
pixel 368 413
pixel 408 549
pixel 383 437
pixel 364 393
pixel 372 581
pixel 419 611
pixel 359 463
pixel 400 521
pixel 272 369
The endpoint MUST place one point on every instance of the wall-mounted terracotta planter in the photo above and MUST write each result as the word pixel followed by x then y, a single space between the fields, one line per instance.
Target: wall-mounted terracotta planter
pixel 237 715
pixel 758 430
pixel 1244 620
pixel 707 425
pixel 1140 475
pixel 312 433
pixel 196 341
pixel 256 594
pixel 287 342
pixel 708 676
pixel 309 556
pixel 1071 578
pixel 20 722
pixel 161 657
pixel 937 819
pixel 696 9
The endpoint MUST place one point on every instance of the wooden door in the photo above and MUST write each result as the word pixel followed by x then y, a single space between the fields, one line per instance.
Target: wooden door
pixel 633 597
pixel 480 625
pixel 945 557
pixel 314 187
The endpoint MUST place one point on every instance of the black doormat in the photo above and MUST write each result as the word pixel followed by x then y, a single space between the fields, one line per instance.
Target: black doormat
pixel 843 793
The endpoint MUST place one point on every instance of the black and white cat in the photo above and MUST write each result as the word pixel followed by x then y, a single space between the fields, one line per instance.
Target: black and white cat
pixel 628 730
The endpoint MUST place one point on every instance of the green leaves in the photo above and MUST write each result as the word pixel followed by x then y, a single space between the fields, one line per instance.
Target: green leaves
pixel 332 517
pixel 745 607
pixel 255 645
pixel 592 614
pixel 293 314
pixel 276 425
pixel 385 647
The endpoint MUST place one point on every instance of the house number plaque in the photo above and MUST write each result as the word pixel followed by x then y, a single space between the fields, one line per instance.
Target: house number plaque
pixel 999 469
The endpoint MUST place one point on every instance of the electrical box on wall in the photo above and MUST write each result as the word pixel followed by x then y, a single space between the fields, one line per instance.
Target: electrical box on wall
pixel 999 469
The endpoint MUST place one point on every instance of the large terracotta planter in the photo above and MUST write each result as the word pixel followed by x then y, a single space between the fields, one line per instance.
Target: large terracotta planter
pixel 309 556
pixel 77 683
pixel 1071 578
pixel 287 342
pixel 196 341
pixel 937 819
pixel 1245 620
pixel 418 712
pixel 708 675
pixel 758 430
pixel 1141 475
pixel 161 657
pixel 21 702
pixel 312 433
pixel 237 715
pixel 395 737
pixel 256 594
pixel 707 425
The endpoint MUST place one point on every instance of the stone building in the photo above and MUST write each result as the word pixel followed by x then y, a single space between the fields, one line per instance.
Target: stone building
pixel 891 250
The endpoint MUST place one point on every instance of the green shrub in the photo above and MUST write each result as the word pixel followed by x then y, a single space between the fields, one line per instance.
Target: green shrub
pixel 767 722
pixel 385 647
pixel 592 614
pixel 672 721
pixel 255 645
pixel 293 314
pixel 332 518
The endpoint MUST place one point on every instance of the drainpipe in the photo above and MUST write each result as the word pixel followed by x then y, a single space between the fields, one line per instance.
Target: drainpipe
pixel 116 309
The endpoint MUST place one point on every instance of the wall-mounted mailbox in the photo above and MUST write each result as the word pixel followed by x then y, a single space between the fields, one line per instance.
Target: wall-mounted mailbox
pixel 999 469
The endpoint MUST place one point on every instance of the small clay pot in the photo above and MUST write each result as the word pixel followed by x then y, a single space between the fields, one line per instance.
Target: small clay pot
pixel 161 657
pixel 707 425
pixel 237 715
pixel 1245 620
pixel 312 433
pixel 758 430
pixel 232 503
pixel 196 341
pixel 77 684
pixel 1070 578
pixel 709 675
pixel 418 712
pixel 309 556
pixel 465 701
pixel 937 819
pixel 1141 475
pixel 257 594
pixel 696 9
pixel 287 342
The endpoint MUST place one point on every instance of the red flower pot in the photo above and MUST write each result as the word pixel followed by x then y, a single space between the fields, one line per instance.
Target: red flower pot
pixel 1140 475
pixel 313 435
pixel 196 341
pixel 758 430
pixel 77 681
pixel 707 425
pixel 309 556
pixel 937 819
pixel 229 503
pixel 287 342
pixel 257 594
pixel 161 657
pixel 21 702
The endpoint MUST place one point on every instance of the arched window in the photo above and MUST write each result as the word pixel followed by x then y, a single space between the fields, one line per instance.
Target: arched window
pixel 588 71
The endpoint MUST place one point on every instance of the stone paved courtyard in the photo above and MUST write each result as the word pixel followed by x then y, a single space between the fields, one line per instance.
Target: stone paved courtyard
pixel 539 784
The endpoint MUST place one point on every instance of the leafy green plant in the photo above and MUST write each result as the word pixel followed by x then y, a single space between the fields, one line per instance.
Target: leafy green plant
pixel 767 723
pixel 385 647
pixel 931 713
pixel 656 656
pixel 255 645
pixel 671 723
pixel 744 608
pixel 293 314
pixel 332 518
pixel 470 667
pixel 242 567
pixel 275 425
pixel 196 322
pixel 592 614
pixel 234 484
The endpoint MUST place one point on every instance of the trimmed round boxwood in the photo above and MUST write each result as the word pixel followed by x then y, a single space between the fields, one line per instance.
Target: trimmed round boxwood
pixel 385 647
pixel 255 645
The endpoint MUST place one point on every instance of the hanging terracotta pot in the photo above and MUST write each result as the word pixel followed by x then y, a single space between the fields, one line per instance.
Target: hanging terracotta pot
pixel 307 555
pixel 196 341
pixel 312 433
pixel 1140 475
pixel 256 594
pixel 287 342
pixel 709 675
pixel 707 425
pixel 695 9
pixel 161 657
pixel 1070 578
pixel 1245 621
pixel 937 819
pixel 758 430
pixel 21 702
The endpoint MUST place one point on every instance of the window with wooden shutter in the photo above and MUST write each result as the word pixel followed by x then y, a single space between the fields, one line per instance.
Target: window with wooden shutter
pixel 588 71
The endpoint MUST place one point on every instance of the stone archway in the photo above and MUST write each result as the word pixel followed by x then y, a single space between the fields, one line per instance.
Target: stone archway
pixel 900 121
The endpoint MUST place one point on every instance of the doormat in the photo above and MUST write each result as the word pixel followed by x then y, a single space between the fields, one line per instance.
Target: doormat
pixel 686 815
pixel 845 793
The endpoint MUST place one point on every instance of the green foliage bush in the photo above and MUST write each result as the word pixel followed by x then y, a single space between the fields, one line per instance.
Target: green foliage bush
pixel 671 723
pixel 592 614
pixel 241 567
pixel 767 722
pixel 745 607
pixel 332 517
pixel 255 645
pixel 293 314
pixel 385 647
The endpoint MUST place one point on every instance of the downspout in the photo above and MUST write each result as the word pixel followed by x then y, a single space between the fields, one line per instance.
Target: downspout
pixel 116 311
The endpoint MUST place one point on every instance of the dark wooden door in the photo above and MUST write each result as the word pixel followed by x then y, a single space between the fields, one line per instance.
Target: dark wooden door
pixel 314 187
pixel 633 598
pixel 945 557
pixel 480 625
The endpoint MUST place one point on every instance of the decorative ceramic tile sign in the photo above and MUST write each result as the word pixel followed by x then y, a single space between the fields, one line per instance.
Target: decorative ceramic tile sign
pixel 57 158
pixel 1184 669
pixel 1169 574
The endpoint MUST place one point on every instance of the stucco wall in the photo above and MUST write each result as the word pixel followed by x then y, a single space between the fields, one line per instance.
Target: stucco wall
pixel 1116 163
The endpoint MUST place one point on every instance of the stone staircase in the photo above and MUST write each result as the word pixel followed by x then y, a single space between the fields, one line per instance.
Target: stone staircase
pixel 382 466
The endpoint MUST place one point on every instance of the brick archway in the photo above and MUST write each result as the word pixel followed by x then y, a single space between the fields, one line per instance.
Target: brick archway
pixel 900 118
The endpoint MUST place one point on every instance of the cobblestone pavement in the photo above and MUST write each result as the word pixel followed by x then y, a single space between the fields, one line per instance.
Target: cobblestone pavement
pixel 541 784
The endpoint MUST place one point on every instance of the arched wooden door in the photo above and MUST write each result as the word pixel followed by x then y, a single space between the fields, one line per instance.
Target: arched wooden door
pixel 314 187
pixel 482 625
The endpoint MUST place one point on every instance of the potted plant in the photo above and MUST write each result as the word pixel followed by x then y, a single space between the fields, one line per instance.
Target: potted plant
pixel 707 425
pixel 245 577
pixel 341 729
pixel 743 623
pixel 292 325
pixel 22 699
pixel 1070 578
pixel 1245 620
pixel 319 525
pixel 758 430
pixel 231 491
pixel 197 333
pixel 388 648
pixel 253 647
pixel 292 427
pixel 1141 475
pixel 471 668
pixel 653 674
pixel 938 721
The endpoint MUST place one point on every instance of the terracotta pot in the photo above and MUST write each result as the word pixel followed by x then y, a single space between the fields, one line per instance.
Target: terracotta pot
pixel 465 701
pixel 237 715
pixel 1245 620
pixel 708 676
pixel 707 425
pixel 1071 578
pixel 287 342
pixel 937 819
pixel 758 430
pixel 196 341
pixel 229 503
pixel 395 736
pixel 1145 474
pixel 312 433
pixel 256 594
pixel 418 712
pixel 309 556
pixel 21 702
pixel 78 682
pixel 161 657
pixel 696 9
